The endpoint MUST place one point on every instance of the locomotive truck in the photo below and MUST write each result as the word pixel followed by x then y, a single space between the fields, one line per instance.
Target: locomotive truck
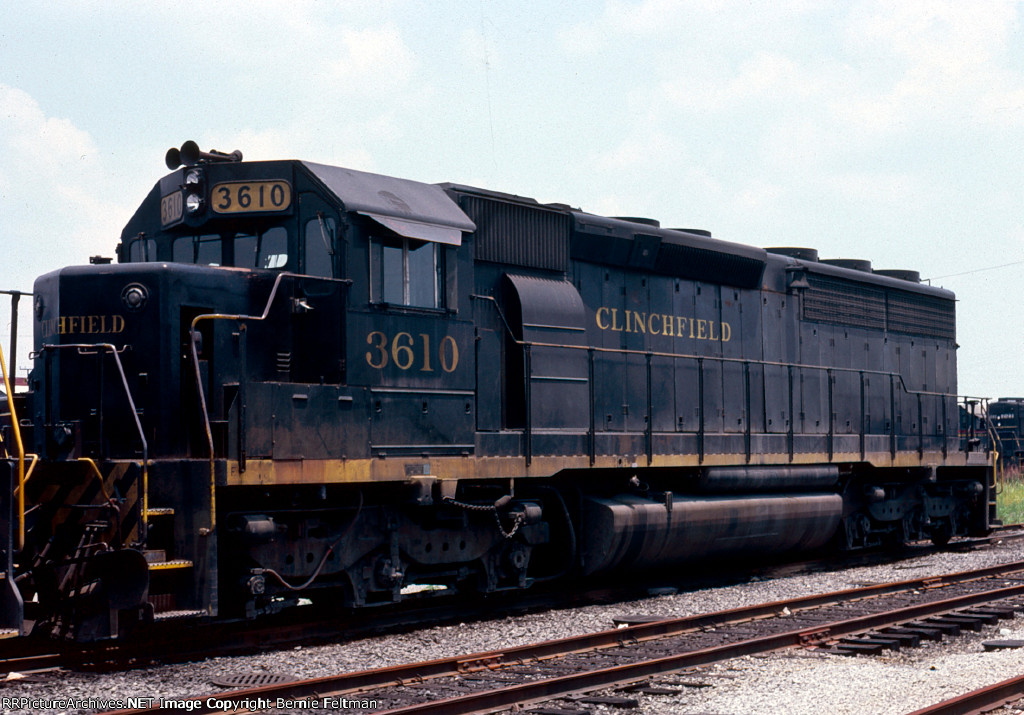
pixel 301 382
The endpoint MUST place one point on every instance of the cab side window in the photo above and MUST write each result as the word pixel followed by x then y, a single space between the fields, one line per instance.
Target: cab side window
pixel 319 247
pixel 141 250
pixel 405 271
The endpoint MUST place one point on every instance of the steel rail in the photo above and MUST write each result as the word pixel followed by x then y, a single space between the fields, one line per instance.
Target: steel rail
pixel 530 692
pixel 26 663
pixel 979 701
pixel 235 637
pixel 400 674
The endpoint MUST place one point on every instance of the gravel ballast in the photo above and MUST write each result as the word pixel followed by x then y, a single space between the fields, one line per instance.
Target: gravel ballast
pixel 791 682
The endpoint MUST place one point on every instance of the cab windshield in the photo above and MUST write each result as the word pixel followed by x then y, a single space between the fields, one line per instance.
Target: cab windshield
pixel 267 249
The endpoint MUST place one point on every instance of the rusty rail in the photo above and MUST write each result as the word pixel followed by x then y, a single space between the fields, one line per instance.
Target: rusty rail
pixel 489 700
pixel 551 687
pixel 979 701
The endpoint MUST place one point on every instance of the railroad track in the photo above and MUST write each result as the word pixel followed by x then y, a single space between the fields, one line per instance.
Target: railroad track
pixel 856 620
pixel 20 655
pixel 181 641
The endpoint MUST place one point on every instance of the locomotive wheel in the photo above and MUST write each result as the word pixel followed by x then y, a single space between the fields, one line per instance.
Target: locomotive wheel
pixel 856 529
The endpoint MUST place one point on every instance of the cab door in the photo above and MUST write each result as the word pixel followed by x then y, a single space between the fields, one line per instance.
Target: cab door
pixel 318 306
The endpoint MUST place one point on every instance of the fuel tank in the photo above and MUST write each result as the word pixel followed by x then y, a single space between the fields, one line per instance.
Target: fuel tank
pixel 639 532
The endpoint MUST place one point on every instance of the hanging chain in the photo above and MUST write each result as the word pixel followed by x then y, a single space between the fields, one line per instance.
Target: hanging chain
pixel 519 519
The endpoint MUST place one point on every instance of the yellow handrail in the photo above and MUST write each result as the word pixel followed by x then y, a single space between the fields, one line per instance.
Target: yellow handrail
pixel 16 428
pixel 994 455
pixel 202 393
pixel 31 467
pixel 99 476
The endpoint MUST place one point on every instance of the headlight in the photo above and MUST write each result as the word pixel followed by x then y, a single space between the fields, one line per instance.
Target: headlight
pixel 193 202
pixel 193 177
pixel 135 296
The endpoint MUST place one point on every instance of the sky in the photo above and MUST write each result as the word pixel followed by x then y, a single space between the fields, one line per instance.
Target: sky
pixel 886 131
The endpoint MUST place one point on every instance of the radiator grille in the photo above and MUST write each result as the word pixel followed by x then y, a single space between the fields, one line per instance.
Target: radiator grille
pixel 921 315
pixel 844 302
pixel 527 236
pixel 832 300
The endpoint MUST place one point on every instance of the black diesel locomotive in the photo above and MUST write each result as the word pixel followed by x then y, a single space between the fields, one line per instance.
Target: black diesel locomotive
pixel 305 382
pixel 1006 422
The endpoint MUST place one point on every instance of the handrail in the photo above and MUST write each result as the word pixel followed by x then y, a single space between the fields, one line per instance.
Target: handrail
pixel 82 350
pixel 31 467
pixel 996 453
pixel 16 296
pixel 895 378
pixel 722 358
pixel 16 428
pixel 199 380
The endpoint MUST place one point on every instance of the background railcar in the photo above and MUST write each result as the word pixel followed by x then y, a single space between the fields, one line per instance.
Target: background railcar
pixel 1006 418
pixel 303 381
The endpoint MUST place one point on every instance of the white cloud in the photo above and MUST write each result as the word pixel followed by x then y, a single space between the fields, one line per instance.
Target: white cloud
pixel 940 57
pixel 898 189
pixel 759 197
pixel 947 37
pixel 55 202
pixel 679 26
pixel 766 77
pixel 640 149
pixel 306 141
pixel 53 145
pixel 476 48
pixel 372 61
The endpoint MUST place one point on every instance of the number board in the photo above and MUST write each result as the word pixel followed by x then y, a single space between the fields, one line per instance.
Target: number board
pixel 171 208
pixel 251 196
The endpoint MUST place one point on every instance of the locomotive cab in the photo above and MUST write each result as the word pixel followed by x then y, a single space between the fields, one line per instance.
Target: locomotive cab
pixel 214 357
